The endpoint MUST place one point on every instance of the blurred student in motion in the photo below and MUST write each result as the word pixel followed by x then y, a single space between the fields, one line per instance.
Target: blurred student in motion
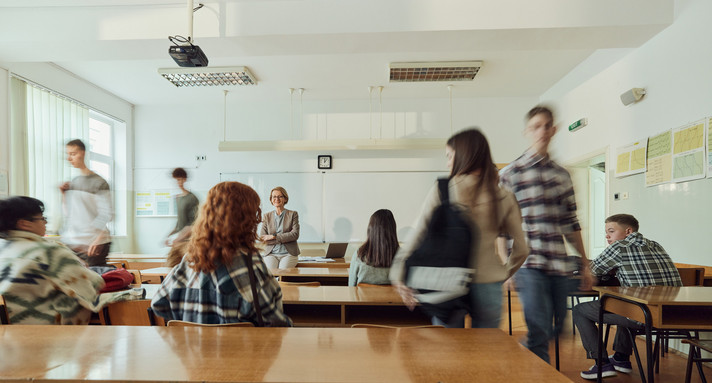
pixel 186 209
pixel 87 210
pixel 372 261
pixel 473 185
pixel 546 196
pixel 215 280
pixel 42 282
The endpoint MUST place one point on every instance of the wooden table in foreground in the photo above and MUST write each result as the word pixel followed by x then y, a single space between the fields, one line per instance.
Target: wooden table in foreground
pixel 192 354
pixel 325 276
pixel 343 306
pixel 661 307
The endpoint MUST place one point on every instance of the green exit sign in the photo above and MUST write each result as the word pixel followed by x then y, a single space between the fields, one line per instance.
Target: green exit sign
pixel 578 125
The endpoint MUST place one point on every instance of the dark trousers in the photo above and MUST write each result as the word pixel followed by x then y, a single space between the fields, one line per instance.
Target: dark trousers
pixel 585 317
pixel 97 260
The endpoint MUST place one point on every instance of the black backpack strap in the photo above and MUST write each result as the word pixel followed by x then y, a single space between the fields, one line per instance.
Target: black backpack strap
pixel 443 187
pixel 253 285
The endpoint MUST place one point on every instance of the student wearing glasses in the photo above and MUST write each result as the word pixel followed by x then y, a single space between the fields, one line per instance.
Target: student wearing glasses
pixel 42 282
pixel 280 231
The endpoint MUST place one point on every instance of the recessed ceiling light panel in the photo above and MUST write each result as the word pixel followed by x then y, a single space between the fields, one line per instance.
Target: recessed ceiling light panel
pixel 434 71
pixel 208 76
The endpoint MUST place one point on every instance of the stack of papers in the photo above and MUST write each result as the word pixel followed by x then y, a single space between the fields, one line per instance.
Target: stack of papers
pixel 315 259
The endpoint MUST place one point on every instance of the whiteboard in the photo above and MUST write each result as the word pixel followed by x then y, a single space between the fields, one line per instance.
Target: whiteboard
pixel 305 197
pixel 351 198
pixel 336 206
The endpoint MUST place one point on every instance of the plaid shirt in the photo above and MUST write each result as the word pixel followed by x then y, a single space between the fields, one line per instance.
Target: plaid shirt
pixel 640 262
pixel 221 296
pixel 546 197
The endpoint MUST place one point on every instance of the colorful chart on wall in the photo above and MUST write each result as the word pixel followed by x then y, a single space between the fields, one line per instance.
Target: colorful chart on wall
pixel 659 169
pixel 155 203
pixel 630 159
pixel 689 156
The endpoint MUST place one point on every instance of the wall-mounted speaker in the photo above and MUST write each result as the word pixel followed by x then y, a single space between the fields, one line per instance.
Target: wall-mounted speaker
pixel 633 95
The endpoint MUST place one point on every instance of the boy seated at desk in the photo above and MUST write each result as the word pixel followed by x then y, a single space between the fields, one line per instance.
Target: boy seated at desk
pixel 42 282
pixel 215 280
pixel 639 262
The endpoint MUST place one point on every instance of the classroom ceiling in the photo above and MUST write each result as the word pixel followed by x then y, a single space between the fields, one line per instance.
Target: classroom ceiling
pixel 334 49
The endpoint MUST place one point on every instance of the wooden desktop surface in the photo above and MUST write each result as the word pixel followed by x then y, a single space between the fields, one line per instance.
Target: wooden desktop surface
pixel 311 272
pixel 156 272
pixel 193 354
pixel 688 307
pixel 341 295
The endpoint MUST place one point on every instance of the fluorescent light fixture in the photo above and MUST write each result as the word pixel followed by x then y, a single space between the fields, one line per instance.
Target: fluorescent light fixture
pixel 357 144
pixel 434 71
pixel 208 76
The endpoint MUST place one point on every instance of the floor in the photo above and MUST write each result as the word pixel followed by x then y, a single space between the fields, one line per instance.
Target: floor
pixel 573 359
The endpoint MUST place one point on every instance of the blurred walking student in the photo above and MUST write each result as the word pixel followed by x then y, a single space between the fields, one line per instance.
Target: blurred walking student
pixel 186 208
pixel 372 261
pixel 473 185
pixel 87 210
pixel 546 196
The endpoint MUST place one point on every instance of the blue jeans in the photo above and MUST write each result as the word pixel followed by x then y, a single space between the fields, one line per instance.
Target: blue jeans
pixel 543 298
pixel 486 306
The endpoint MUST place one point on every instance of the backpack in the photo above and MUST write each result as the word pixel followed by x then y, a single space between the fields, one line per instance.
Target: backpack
pixel 439 269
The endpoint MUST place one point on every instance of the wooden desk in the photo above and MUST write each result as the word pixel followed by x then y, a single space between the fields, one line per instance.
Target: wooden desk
pixel 337 263
pixel 343 306
pixel 325 276
pixel 193 354
pixel 662 307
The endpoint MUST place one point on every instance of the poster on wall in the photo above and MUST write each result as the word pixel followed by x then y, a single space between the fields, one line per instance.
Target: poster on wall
pixel 659 169
pixel 709 148
pixel 689 155
pixel 630 159
pixel 155 203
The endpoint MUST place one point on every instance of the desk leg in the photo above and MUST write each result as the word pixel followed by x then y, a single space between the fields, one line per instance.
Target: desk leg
pixel 509 307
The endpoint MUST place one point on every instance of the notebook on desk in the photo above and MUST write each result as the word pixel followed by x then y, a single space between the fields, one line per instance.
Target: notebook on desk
pixel 336 250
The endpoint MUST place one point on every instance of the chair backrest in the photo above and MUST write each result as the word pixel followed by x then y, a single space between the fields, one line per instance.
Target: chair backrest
pixel 119 263
pixel 180 323
pixel 372 285
pixel 367 325
pixel 303 284
pixel 692 276
pixel 137 276
pixel 4 317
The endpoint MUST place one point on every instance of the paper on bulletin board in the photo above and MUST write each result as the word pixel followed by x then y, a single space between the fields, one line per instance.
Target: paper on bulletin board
pixel 709 148
pixel 155 203
pixel 630 159
pixel 659 169
pixel 688 158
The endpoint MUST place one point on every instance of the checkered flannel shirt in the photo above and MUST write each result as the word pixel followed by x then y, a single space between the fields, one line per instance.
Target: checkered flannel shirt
pixel 640 262
pixel 546 197
pixel 221 296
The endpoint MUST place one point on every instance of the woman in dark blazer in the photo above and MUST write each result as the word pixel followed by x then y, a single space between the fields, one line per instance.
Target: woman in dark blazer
pixel 280 231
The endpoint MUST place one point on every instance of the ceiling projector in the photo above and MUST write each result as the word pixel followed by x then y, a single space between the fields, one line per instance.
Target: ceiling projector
pixel 188 55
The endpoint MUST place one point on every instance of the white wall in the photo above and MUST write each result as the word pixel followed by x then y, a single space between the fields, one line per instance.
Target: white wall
pixel 674 69
pixel 4 123
pixel 166 138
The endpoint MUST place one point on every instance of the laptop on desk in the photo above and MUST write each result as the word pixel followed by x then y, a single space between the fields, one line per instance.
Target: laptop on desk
pixel 336 250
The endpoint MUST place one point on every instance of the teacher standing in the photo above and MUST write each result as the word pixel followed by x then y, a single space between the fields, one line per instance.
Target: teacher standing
pixel 280 231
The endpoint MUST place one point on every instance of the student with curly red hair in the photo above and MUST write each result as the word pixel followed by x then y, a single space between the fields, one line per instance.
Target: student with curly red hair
pixel 212 283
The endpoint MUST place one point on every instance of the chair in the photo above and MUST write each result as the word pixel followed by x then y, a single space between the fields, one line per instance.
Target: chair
pixel 4 317
pixel 367 325
pixel 303 284
pixel 692 276
pixel 180 323
pixel 137 276
pixel 371 285
pixel 695 355
pixel 119 263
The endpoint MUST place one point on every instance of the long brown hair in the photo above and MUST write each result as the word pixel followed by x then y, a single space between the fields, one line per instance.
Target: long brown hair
pixel 472 154
pixel 381 240
pixel 226 224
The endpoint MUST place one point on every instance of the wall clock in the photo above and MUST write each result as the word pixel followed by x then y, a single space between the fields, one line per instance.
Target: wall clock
pixel 324 162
